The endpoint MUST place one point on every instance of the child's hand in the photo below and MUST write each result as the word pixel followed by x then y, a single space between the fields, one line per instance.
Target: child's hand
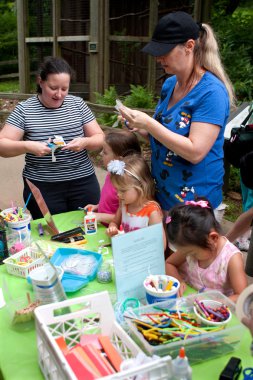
pixel 93 207
pixel 112 230
pixel 182 289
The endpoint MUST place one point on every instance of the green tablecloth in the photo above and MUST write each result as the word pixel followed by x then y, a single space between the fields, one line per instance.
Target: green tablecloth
pixel 18 350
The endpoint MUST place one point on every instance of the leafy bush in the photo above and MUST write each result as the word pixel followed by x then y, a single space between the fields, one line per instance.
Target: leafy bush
pixel 139 97
pixel 236 46
pixel 108 99
pixel 8 31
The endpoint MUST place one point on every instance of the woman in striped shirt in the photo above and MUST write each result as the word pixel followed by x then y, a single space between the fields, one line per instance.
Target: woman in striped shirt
pixel 65 178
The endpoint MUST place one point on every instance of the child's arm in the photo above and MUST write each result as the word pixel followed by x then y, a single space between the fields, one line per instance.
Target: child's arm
pixel 172 263
pixel 236 275
pixel 104 218
pixel 113 227
pixel 241 225
pixel 155 218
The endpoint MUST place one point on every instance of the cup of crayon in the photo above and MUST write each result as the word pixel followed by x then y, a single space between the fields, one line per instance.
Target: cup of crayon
pixel 16 220
pixel 160 288
pixel 211 312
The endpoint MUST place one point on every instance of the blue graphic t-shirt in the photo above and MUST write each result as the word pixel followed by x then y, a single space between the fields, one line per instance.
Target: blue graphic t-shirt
pixel 177 179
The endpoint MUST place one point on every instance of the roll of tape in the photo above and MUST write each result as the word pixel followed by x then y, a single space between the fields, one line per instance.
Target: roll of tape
pixel 244 304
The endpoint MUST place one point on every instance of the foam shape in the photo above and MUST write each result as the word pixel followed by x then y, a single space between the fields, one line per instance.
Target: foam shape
pixel 244 303
pixel 99 360
pixel 62 344
pixel 80 369
pixel 90 339
pixel 82 356
pixel 111 352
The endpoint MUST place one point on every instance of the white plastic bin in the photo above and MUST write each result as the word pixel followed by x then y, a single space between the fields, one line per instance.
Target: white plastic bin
pixel 84 314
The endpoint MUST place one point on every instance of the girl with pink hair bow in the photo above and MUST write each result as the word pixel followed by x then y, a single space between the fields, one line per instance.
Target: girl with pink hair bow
pixel 202 257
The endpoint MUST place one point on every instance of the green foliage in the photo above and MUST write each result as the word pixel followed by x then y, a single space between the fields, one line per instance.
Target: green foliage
pixel 107 99
pixel 233 210
pixel 236 46
pixel 8 31
pixel 139 97
pixel 234 179
pixel 11 85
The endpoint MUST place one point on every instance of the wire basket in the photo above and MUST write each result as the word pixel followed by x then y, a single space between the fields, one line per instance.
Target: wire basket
pixel 16 268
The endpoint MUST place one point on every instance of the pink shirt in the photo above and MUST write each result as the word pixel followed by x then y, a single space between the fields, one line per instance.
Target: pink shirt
pixel 212 277
pixel 109 201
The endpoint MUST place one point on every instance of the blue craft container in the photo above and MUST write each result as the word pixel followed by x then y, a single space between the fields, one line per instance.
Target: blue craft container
pixel 74 282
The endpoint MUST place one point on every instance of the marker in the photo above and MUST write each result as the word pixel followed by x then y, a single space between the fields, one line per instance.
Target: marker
pixel 40 229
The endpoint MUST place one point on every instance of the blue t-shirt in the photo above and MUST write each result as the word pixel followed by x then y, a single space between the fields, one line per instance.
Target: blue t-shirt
pixel 177 179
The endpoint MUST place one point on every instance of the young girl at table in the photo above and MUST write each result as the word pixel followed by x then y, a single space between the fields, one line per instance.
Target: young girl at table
pixel 203 257
pixel 135 188
pixel 117 144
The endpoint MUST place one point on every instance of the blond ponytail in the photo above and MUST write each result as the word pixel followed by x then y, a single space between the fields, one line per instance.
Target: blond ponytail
pixel 207 55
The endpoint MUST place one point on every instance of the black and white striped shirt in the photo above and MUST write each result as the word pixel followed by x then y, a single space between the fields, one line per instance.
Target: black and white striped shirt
pixel 39 123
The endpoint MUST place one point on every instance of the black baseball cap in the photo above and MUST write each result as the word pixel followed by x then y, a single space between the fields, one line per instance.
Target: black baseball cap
pixel 172 29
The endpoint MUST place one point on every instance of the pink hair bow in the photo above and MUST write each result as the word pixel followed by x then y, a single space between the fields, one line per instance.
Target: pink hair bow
pixel 203 204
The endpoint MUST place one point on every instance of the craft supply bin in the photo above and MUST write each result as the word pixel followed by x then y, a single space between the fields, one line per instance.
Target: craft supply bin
pixel 203 347
pixel 88 314
pixel 23 270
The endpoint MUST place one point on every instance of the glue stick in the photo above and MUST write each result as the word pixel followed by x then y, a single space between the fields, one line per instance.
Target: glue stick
pixel 90 222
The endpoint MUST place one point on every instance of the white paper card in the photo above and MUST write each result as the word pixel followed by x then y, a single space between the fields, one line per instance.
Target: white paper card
pixel 2 300
pixel 136 255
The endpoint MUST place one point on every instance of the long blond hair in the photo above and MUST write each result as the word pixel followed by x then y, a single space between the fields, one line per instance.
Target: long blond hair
pixel 207 55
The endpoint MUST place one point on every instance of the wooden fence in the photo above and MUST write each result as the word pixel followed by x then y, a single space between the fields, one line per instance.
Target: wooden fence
pixel 96 108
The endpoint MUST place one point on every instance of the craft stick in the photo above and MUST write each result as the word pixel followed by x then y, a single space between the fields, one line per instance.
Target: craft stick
pixel 112 354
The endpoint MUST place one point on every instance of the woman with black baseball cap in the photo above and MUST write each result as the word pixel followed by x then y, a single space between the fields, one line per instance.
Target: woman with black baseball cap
pixel 186 132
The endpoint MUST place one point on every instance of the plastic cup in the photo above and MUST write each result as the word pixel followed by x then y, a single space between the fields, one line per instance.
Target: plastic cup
pixel 21 225
pixel 47 284
pixel 23 322
pixel 154 295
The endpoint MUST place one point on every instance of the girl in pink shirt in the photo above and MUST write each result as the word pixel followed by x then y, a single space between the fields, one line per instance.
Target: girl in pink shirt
pixel 203 258
pixel 117 144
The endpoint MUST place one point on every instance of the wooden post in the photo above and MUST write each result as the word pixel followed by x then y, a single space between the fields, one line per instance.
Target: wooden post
pixel 153 17
pixel 106 42
pixel 202 10
pixel 23 52
pixel 95 47
pixel 56 27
